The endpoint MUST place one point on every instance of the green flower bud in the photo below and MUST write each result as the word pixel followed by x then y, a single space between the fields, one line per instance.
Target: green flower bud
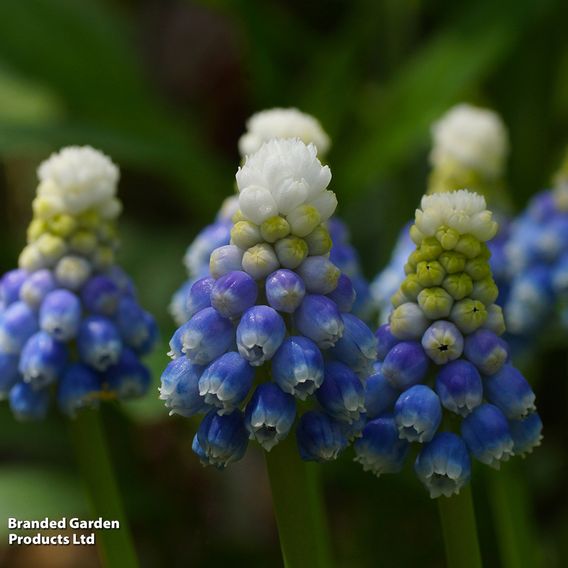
pixel 399 298
pixel 408 321
pixel 107 232
pixel 245 234
pixel 452 261
pixel 410 286
pixel 430 249
pixel 62 225
pixel 291 251
pixel 52 248
pixel 416 235
pixel 485 291
pixel 35 229
pixel 495 321
pixel 469 246
pixel 478 268
pixel 318 241
pixel 468 315
pixel 89 219
pixel 430 273
pixel 238 216
pixel 458 286
pixel 103 257
pixel 274 229
pixel 83 242
pixel 484 252
pixel 435 302
pixel 303 220
pixel 447 237
pixel 31 259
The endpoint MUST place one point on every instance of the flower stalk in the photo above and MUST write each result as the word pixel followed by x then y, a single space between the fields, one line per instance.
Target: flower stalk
pixel 116 548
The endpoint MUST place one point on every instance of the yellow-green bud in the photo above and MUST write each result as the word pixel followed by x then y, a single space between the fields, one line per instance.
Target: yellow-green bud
pixel 430 249
pixel 274 229
pixel 452 261
pixel 31 259
pixel 399 298
pixel 485 291
pixel 447 237
pixel 45 207
pixel 468 315
pixel 303 220
pixel 478 268
pixel 410 286
pixel 415 257
pixel 62 225
pixel 103 257
pixel 245 234
pixel 495 320
pixel 260 260
pixel 458 286
pixel 89 219
pixel 319 241
pixel 469 246
pixel 52 248
pixel 107 232
pixel 83 242
pixel 430 273
pixel 238 216
pixel 291 251
pixel 435 302
pixel 484 252
pixel 416 235
pixel 35 229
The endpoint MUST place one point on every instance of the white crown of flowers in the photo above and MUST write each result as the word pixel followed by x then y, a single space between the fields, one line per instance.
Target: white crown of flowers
pixel 78 178
pixel 282 176
pixel 464 211
pixel 282 123
pixel 472 136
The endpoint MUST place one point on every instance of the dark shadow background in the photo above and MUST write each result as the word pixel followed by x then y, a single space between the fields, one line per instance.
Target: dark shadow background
pixel 165 87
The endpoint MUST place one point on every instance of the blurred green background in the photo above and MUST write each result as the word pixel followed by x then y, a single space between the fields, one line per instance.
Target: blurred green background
pixel 165 87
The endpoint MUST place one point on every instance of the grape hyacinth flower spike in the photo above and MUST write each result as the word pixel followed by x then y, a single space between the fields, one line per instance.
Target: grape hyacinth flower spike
pixel 537 260
pixel 71 328
pixel 444 364
pixel 70 324
pixel 277 123
pixel 273 309
pixel 469 149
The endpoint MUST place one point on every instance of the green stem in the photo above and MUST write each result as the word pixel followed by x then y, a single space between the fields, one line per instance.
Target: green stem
pixel 460 532
pixel 115 547
pixel 299 508
pixel 511 515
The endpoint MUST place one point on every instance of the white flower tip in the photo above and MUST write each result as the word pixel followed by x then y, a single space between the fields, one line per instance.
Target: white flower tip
pixel 282 123
pixel 473 136
pixel 79 177
pixel 462 210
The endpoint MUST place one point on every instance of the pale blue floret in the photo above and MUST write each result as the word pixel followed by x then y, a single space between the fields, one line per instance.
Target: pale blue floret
pixel 129 378
pixel 36 287
pixel 100 295
pixel 10 285
pixel 344 294
pixel 260 333
pixel 510 392
pixel 380 395
pixel 28 403
pixel 357 347
pixel 341 394
pixel 8 373
pixel 526 433
pixel 180 388
pixel 136 326
pixel 270 415
pixel 443 465
pixel 78 388
pixel 206 336
pixel 459 387
pixel 405 365
pixel 99 342
pixel 380 449
pixel 234 293
pixel 285 290
pixel 320 437
pixel 418 414
pixel 487 435
pixel 42 360
pixel 221 439
pixel 226 382
pixel 17 324
pixel 297 367
pixel 319 319
pixel 60 314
